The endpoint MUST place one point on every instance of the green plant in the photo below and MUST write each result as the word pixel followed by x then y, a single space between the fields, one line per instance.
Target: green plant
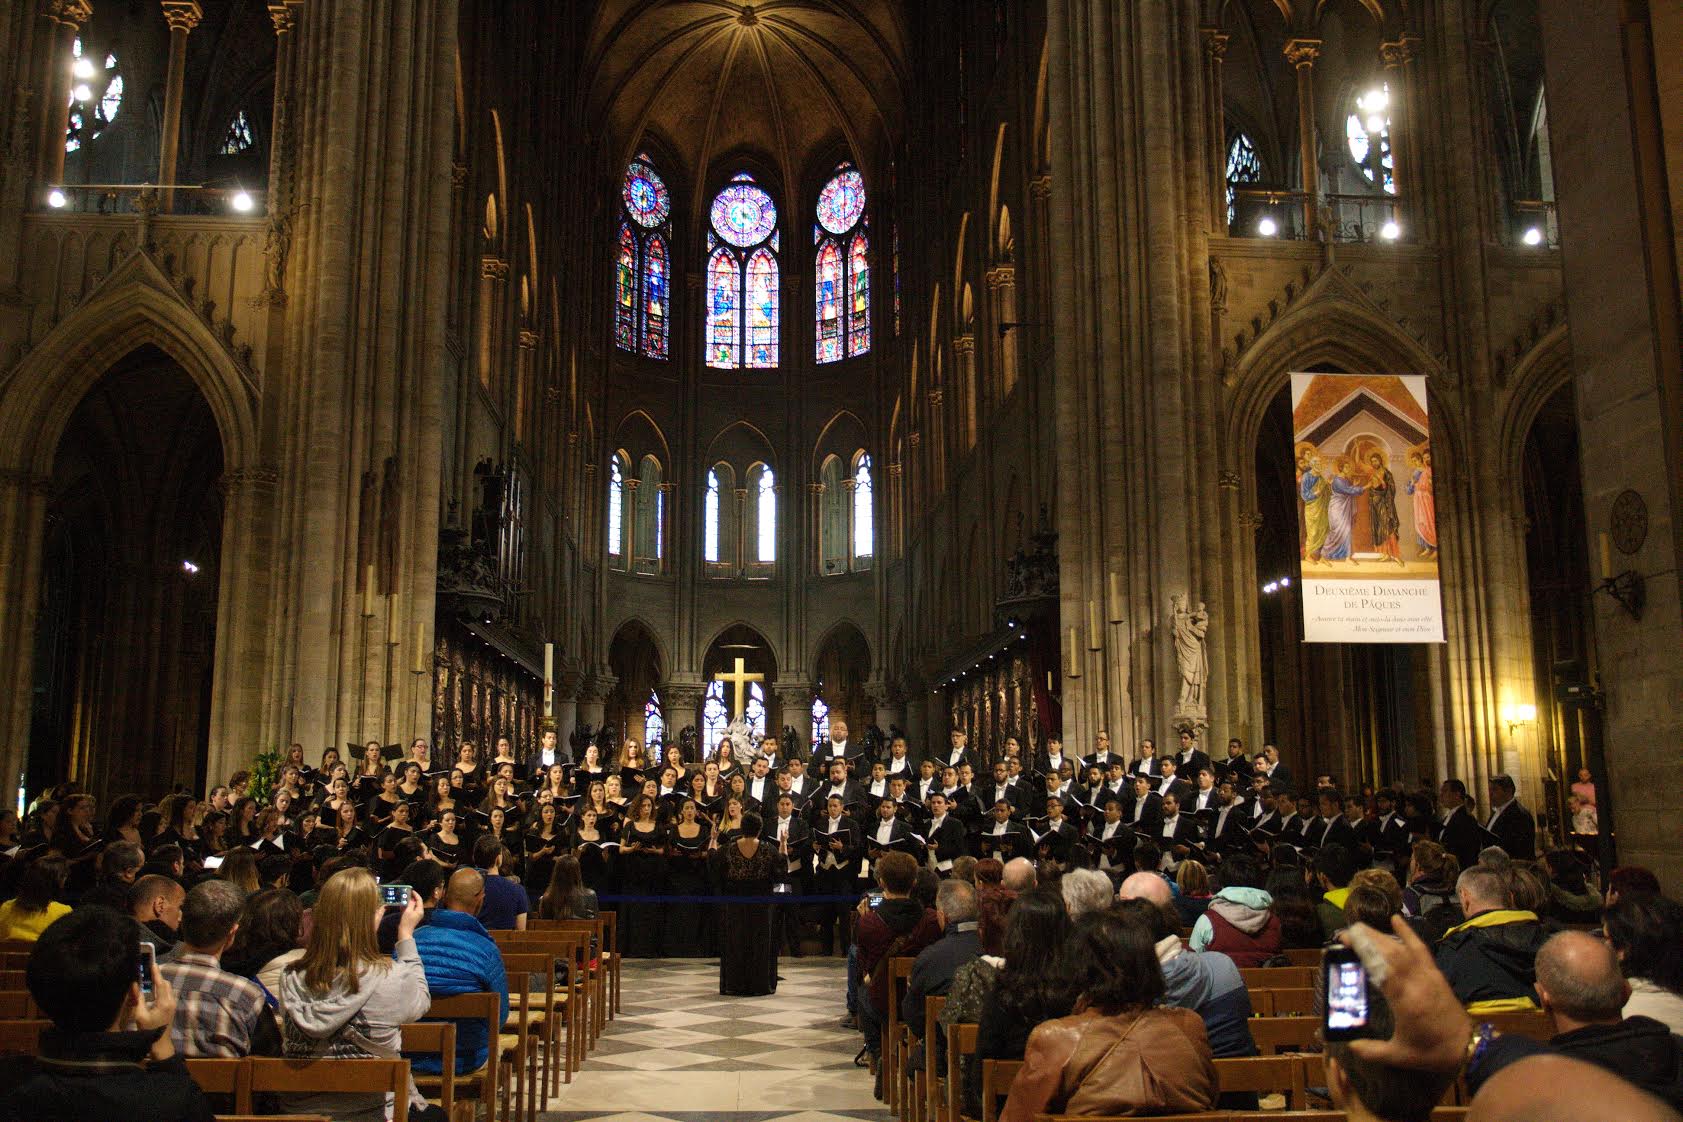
pixel 263 771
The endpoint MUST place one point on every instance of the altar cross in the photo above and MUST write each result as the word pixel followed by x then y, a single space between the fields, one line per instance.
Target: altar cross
pixel 739 679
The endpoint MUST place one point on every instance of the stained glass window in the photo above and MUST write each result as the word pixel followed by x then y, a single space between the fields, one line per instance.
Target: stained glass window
pixel 1367 131
pixel 820 720
pixel 710 519
pixel 842 268
pixel 238 138
pixel 1243 166
pixel 766 516
pixel 616 506
pixel 864 532
pixel 756 708
pixel 96 95
pixel 742 278
pixel 714 717
pixel 896 282
pixel 654 725
pixel 642 264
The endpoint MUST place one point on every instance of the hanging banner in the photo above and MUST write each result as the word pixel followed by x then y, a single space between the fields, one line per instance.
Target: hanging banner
pixel 1367 524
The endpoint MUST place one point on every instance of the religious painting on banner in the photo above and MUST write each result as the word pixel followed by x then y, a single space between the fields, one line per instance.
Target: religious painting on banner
pixel 1367 522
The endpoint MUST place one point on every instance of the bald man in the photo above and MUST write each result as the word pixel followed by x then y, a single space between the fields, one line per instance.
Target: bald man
pixel 1146 886
pixel 1019 874
pixel 459 957
pixel 1583 992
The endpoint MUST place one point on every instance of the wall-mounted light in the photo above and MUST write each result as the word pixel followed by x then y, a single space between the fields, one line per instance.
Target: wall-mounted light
pixel 1390 231
pixel 1517 713
pixel 1267 227
pixel 56 198
pixel 189 568
pixel 242 202
pixel 1533 236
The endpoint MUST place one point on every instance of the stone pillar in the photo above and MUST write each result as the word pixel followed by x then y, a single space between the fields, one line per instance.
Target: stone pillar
pixel 1302 53
pixel 182 16
pixel 964 359
pixel 683 709
pixel 281 16
pixel 794 704
pixel 1398 59
pixel 888 705
pixel 593 696
pixel 23 518
pixel 917 718
pixel 1001 281
pixel 60 22
pixel 240 671
pixel 1215 50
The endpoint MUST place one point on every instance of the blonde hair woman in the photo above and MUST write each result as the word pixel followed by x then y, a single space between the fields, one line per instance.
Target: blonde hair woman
pixel 345 1000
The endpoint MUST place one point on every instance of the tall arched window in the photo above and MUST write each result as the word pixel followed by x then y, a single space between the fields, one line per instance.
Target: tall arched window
pixel 649 543
pixel 742 277
pixel 864 529
pixel 642 264
pixel 1243 166
pixel 616 507
pixel 820 720
pixel 714 717
pixel 654 725
pixel 764 496
pixel 842 267
pixel 710 519
pixel 1368 132
pixel 755 708
pixel 96 94
pixel 719 515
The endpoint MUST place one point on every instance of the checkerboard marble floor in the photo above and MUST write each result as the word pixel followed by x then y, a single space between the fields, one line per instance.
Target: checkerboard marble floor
pixel 679 1052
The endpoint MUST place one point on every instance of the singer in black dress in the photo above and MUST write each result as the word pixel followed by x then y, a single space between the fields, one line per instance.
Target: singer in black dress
pixel 642 873
pixel 689 926
pixel 746 866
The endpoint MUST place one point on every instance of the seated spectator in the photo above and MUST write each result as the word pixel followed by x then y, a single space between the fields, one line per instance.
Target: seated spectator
pixel 1369 904
pixel 1193 880
pixel 1645 931
pixel 426 879
pixel 1207 983
pixel 937 964
pixel 1239 921
pixel 155 903
pixel 1429 899
pixel 567 897
pixel 268 939
pixel 1572 899
pixel 92 1066
pixel 1489 959
pixel 1371 1091
pixel 1121 1052
pixel 1582 991
pixel 165 860
pixel 459 957
pixel 347 1000
pixel 505 901
pixel 217 1013
pixel 1086 891
pixel 1019 875
pixel 898 927
pixel 239 869
pixel 119 864
pixel 1334 866
pixel 1630 878
pixel 37 902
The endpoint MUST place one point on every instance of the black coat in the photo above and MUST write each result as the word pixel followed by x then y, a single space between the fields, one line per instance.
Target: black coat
pixel 1463 836
pixel 101 1080
pixel 1638 1049
pixel 1516 832
pixel 1492 956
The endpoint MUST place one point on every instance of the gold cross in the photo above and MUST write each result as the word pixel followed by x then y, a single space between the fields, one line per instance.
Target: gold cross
pixel 739 678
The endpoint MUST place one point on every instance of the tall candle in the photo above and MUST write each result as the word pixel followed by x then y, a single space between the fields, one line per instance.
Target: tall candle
pixel 548 680
pixel 1072 666
pixel 368 590
pixel 1095 626
pixel 1115 586
pixel 420 646
pixel 1606 557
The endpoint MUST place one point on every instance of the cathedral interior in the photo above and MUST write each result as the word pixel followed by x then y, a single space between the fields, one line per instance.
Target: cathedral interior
pixel 459 369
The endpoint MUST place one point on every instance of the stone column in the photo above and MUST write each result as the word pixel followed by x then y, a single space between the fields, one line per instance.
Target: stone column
pixel 23 518
pixel 1215 50
pixel 593 696
pixel 280 130
pixel 240 670
pixel 889 705
pixel 964 359
pixel 1302 53
pixel 794 705
pixel 60 22
pixel 1398 59
pixel 682 697
pixel 1001 281
pixel 917 718
pixel 565 707
pixel 182 16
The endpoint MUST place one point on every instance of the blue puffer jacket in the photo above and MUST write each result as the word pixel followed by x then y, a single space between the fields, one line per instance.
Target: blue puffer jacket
pixel 1210 985
pixel 460 958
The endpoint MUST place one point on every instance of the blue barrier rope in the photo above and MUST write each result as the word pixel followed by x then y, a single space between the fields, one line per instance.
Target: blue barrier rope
pixel 777 898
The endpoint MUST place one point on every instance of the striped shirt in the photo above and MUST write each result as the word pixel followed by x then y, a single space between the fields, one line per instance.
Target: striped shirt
pixel 215 1012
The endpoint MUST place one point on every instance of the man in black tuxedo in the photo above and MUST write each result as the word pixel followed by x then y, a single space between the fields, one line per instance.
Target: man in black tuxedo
pixel 1227 826
pixel 836 747
pixel 1001 787
pixel 771 751
pixel 1051 758
pixel 1278 774
pixel 1189 758
pixel 1055 834
pixel 761 787
pixel 1387 832
pixel 1102 755
pixel 792 838
pixel 887 834
pixel 1000 836
pixel 911 810
pixel 549 752
pixel 1146 811
pixel 1458 831
pixel 1204 799
pixel 945 834
pixel 1168 781
pixel 899 760
pixel 1513 825
pixel 835 838
pixel 1237 764
pixel 957 752
pixel 851 792
pixel 1333 828
pixel 1146 764
pixel 1178 832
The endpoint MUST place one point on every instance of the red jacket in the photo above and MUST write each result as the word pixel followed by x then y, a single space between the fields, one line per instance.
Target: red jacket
pixel 877 934
pixel 1245 950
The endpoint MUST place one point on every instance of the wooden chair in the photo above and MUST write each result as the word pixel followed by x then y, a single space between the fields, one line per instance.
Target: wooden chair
pixel 899 976
pixel 961 1042
pixel 333 1077
pixel 14 980
pixel 18 1005
pixel 223 1077
pixel 1534 1024
pixel 22 1038
pixel 610 954
pixel 1285 1034
pixel 1279 977
pixel 273 1118
pixel 1449 1114
pixel 1293 1002
pixel 529 1012
pixel 1202 1116
pixel 1310 956
pixel 997 1077
pixel 569 1002
pixel 597 966
pixel 1267 1075
pixel 436 1037
pixel 933 1076
pixel 1287 1116
pixel 482 1081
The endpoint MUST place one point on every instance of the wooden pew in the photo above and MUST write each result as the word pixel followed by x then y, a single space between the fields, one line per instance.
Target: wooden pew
pixel 332 1076
pixel 22 1037
pixel 483 1080
pixel 1266 1075
pixel 997 1077
pixel 1285 1034
pixel 223 1077
pixel 1279 977
pixel 436 1038
pixel 961 1042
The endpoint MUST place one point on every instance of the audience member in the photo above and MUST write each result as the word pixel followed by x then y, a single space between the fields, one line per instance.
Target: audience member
pixel 1572 899
pixel 217 1013
pixel 1085 891
pixel 937 964
pixel 1193 880
pixel 1119 1052
pixel 459 957
pixel 1371 1091
pixel 1630 878
pixel 1008 996
pixel 506 904
pixel 425 877
pixel 1334 866
pixel 268 939
pixel 1429 899
pixel 93 1066
pixel 1582 991
pixel 155 903
pixel 1489 958
pixel 1019 875
pixel 896 927
pixel 1645 931
pixel 567 897
pixel 1207 983
pixel 1240 920
pixel 345 999
pixel 119 864
pixel 36 903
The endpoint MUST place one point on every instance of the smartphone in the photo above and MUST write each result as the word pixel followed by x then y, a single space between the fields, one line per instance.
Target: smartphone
pixel 145 963
pixel 394 895
pixel 875 898
pixel 1346 994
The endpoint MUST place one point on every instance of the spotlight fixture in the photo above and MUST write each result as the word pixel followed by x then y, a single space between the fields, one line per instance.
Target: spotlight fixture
pixel 56 198
pixel 241 201
pixel 1533 236
pixel 1390 231
pixel 1267 227
pixel 189 568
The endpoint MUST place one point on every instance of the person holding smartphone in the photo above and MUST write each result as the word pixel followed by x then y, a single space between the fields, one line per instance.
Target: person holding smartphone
pixel 108 1054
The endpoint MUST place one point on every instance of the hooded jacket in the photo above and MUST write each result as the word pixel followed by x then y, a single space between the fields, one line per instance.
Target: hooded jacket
pixel 1240 923
pixel 877 933
pixel 1208 984
pixel 461 958
pixel 1638 1049
pixel 343 1025
pixel 1490 960
pixel 96 1076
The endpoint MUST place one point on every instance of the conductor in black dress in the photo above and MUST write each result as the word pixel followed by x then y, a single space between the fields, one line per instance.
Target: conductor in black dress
pixel 746 867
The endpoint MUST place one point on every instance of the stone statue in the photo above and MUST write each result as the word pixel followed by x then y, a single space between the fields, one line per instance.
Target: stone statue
pixel 582 736
pixel 1218 287
pixel 741 736
pixel 792 743
pixel 1191 625
pixel 686 742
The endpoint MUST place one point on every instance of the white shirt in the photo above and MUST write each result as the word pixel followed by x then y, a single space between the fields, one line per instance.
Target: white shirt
pixel 885 831
pixel 831 825
pixel 879 787
pixel 896 766
pixel 1495 811
pixel 1000 828
pixel 1221 818
pixel 797 784
pixel 1001 792
pixel 956 755
pixel 1111 829
pixel 1167 784
pixel 1169 826
pixel 1055 762
pixel 546 757
pixel 836 749
pixel 1204 798
pixel 664 791
pixel 782 828
pixel 1139 808
pixel 757 787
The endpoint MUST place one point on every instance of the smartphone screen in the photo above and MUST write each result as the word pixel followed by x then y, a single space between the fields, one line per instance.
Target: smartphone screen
pixel 145 962
pixel 1346 994
pixel 394 895
pixel 875 899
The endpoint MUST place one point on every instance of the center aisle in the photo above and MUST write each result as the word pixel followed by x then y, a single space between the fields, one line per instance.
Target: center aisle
pixel 678 1051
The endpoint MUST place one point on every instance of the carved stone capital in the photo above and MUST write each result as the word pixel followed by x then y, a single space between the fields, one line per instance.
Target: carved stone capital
pixel 528 340
pixel 573 438
pixel 281 16
pixel 1227 480
pixel 552 395
pixel 493 268
pixel 935 396
pixel 1399 54
pixel 1251 519
pixel 26 481
pixel 896 469
pixel 1302 52
pixel 1215 42
pixel 815 488
pixel 73 13
pixel 458 175
pixel 1041 187
pixel 964 344
pixel 914 438
pixel 1000 276
pixel 182 15
pixel 259 478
